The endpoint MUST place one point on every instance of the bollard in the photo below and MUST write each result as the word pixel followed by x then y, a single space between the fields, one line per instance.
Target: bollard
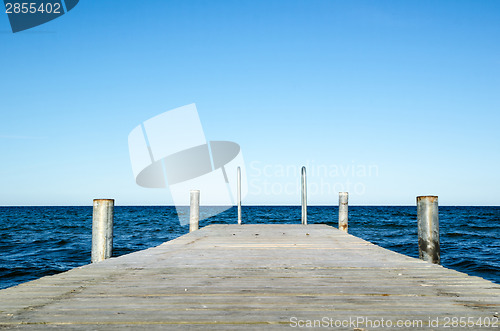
pixel 304 196
pixel 428 229
pixel 194 211
pixel 343 210
pixel 239 195
pixel 102 229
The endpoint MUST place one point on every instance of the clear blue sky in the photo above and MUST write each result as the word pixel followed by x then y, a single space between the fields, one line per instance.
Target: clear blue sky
pixel 407 90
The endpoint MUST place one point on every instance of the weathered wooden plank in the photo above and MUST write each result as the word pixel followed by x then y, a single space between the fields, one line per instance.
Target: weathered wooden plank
pixel 249 277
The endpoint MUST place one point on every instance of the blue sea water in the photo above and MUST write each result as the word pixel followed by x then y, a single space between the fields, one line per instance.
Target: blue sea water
pixel 41 241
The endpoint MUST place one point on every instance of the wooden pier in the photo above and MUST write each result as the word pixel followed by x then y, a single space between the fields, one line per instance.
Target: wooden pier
pixel 247 277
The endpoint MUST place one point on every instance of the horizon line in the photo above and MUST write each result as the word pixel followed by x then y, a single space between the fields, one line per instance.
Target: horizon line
pixel 250 205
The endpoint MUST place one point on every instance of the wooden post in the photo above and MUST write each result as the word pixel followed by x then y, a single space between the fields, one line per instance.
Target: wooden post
pixel 102 229
pixel 428 229
pixel 304 196
pixel 194 211
pixel 343 211
pixel 239 195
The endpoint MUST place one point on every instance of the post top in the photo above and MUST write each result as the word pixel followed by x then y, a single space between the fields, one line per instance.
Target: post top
pixel 431 198
pixel 113 200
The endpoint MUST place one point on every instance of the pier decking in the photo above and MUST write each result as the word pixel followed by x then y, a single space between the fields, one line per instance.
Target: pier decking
pixel 226 277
